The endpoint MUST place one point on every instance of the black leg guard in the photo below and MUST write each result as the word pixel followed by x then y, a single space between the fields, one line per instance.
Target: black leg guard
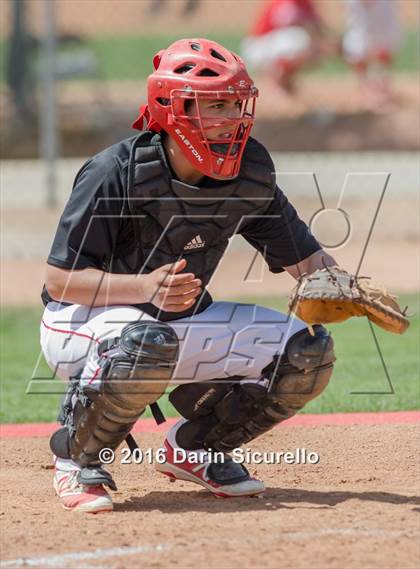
pixel 242 411
pixel 136 369
pixel 197 402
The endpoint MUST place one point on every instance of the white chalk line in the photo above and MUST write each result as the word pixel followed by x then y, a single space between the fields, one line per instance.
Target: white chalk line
pixel 64 558
pixel 285 536
pixel 353 532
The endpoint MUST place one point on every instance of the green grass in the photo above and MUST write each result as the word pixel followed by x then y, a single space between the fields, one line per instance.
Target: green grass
pixel 358 368
pixel 130 57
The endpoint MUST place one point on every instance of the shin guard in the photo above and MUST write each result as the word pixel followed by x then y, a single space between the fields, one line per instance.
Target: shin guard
pixel 223 417
pixel 135 370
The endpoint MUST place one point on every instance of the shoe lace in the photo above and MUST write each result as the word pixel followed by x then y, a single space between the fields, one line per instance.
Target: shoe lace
pixel 72 481
pixel 69 482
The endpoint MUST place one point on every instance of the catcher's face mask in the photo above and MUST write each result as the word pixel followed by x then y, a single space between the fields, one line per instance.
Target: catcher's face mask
pixel 201 94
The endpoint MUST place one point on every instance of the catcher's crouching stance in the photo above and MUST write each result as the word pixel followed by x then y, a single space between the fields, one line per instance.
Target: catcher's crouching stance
pixel 220 414
pixel 145 227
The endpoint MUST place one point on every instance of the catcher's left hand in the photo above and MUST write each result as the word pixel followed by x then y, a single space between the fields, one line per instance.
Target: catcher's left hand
pixel 332 295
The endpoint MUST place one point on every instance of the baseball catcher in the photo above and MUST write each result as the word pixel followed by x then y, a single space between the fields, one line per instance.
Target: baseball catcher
pixel 127 313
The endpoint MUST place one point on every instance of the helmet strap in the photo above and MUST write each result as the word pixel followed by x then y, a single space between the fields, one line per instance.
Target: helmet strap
pixel 145 117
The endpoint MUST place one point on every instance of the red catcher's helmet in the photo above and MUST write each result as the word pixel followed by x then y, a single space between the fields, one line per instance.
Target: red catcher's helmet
pixel 194 69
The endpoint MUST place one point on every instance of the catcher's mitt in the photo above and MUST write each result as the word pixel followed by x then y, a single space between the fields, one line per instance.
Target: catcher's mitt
pixel 332 295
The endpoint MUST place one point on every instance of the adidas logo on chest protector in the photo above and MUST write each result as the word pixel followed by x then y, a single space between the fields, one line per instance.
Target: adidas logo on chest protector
pixel 195 243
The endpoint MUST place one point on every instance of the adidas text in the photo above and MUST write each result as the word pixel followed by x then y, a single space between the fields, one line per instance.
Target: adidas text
pixel 196 243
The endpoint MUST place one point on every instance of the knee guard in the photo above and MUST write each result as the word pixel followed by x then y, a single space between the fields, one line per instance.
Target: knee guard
pixel 223 416
pixel 135 370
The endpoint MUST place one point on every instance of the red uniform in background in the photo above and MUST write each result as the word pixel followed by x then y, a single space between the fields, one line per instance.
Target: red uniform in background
pixel 279 14
pixel 287 36
pixel 370 42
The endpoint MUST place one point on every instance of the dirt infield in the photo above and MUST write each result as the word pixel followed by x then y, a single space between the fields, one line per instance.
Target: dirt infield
pixel 356 508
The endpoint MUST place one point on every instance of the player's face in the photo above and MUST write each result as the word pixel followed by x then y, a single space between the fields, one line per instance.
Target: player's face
pixel 210 110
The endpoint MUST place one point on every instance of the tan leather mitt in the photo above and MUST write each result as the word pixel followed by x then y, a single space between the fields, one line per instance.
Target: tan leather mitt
pixel 332 295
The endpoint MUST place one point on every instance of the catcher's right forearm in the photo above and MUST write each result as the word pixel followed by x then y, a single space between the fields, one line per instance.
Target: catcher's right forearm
pixel 93 287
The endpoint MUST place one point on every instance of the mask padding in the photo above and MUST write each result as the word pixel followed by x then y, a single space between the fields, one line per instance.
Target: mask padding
pixel 217 55
pixel 184 68
pixel 163 102
pixel 207 73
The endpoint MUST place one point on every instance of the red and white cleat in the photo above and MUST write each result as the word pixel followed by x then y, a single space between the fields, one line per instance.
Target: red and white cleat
pixel 80 497
pixel 225 479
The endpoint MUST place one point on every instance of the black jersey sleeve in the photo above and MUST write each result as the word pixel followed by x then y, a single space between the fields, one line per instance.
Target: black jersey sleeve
pixel 280 235
pixel 88 228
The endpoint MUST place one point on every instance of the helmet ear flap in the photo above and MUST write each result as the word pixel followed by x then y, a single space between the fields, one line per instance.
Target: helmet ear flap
pixel 157 58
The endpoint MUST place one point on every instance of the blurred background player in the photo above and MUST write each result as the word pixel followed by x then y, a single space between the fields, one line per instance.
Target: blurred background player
pixel 288 36
pixel 157 7
pixel 370 42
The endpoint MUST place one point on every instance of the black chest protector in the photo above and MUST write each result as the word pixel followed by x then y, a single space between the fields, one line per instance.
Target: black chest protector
pixel 172 220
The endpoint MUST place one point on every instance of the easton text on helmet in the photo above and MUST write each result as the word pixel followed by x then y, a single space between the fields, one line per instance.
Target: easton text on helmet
pixel 188 144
